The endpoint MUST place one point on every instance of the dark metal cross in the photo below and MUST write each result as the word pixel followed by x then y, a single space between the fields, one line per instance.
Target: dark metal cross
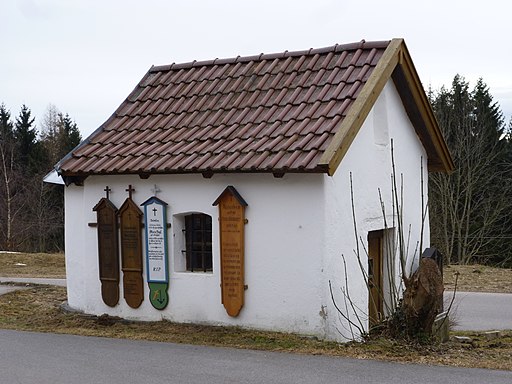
pixel 155 190
pixel 155 211
pixel 130 189
pixel 107 190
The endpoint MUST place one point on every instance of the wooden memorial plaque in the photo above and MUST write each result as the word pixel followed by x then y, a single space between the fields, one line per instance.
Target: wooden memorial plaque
pixel 131 252
pixel 108 252
pixel 232 222
pixel 155 218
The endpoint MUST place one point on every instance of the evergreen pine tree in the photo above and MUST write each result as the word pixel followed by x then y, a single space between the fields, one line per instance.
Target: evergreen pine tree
pixel 468 209
pixel 6 127
pixel 69 135
pixel 25 134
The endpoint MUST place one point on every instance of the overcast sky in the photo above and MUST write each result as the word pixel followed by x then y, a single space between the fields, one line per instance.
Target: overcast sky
pixel 85 56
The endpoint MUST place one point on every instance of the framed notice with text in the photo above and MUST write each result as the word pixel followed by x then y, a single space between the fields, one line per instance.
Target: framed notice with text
pixel 155 225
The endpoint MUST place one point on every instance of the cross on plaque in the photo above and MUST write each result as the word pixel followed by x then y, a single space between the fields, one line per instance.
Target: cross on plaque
pixel 107 190
pixel 130 189
pixel 155 190
pixel 155 211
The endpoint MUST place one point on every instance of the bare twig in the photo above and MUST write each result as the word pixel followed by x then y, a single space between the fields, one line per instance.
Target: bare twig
pixel 347 318
pixel 453 297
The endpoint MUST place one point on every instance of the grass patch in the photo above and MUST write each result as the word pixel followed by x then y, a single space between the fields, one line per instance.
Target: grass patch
pixel 478 278
pixel 49 265
pixel 38 309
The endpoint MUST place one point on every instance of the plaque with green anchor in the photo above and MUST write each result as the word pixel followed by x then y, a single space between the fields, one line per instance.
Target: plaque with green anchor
pixel 155 225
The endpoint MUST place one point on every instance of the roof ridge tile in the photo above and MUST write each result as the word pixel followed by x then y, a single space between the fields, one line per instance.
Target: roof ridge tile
pixel 270 56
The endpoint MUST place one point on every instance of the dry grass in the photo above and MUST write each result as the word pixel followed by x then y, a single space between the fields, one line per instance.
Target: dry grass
pixel 38 309
pixel 478 278
pixel 32 265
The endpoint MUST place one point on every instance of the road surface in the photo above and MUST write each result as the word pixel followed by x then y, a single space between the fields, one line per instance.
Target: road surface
pixel 39 358
pixel 477 311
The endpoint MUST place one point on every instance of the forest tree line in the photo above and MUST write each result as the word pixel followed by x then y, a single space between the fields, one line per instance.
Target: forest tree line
pixel 469 209
pixel 32 212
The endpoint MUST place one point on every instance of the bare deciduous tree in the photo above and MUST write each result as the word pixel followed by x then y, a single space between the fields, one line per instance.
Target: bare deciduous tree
pixel 8 174
pixel 33 211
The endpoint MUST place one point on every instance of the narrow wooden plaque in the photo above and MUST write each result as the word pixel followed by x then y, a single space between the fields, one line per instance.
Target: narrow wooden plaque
pixel 108 252
pixel 232 222
pixel 131 253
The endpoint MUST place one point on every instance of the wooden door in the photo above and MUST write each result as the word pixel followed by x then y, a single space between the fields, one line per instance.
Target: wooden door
pixel 375 281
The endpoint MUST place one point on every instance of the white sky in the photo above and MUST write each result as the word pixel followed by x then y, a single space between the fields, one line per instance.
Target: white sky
pixel 85 56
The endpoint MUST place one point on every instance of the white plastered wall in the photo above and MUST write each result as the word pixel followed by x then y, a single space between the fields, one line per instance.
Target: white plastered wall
pixel 283 245
pixel 368 160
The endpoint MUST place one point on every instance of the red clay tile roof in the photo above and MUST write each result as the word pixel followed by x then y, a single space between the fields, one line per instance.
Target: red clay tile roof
pixel 267 113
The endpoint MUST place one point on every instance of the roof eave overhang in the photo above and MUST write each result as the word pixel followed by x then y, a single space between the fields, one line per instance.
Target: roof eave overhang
pixel 396 64
pixel 78 178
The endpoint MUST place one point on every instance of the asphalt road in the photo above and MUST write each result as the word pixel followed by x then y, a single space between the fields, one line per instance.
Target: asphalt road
pixel 477 311
pixel 38 358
